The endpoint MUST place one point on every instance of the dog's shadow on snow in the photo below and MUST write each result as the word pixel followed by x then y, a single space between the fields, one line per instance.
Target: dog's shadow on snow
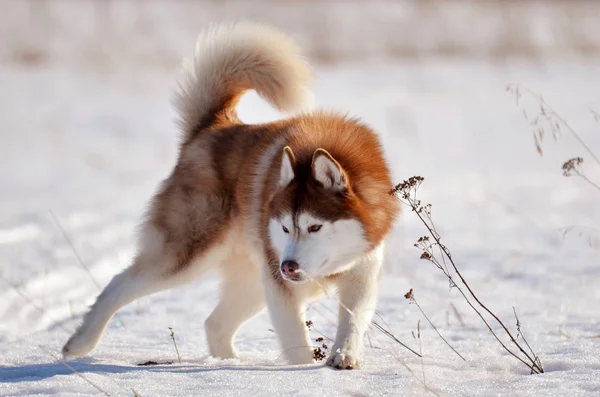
pixel 35 372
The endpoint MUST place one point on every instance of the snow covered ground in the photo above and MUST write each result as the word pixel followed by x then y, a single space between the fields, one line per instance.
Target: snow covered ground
pixel 88 147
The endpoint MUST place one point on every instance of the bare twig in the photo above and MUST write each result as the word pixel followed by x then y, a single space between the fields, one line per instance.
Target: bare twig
pixel 62 327
pixel 547 113
pixel 457 314
pixel 520 332
pixel 82 376
pixel 411 297
pixel 322 334
pixel 85 378
pixel 68 240
pixel 573 167
pixel 368 335
pixel 421 350
pixel 175 344
pixel 393 337
pixel 410 371
pixel 81 262
pixel 373 322
pixel 379 327
pixel 319 352
pixel 592 234
pixel 406 192
pixel 27 299
pixel 549 118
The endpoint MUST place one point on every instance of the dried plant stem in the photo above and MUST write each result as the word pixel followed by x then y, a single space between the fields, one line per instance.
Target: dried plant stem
pixel 410 295
pixel 61 326
pixel 520 333
pixel 593 234
pixel 27 299
pixel 82 376
pixel 378 327
pixel 556 124
pixel 406 192
pixel 85 378
pixel 457 314
pixel 175 344
pixel 410 371
pixel 393 337
pixel 548 111
pixel 533 365
pixel 81 262
pixel 369 339
pixel 585 178
pixel 421 350
pixel 68 240
pixel 373 322
pixel 322 334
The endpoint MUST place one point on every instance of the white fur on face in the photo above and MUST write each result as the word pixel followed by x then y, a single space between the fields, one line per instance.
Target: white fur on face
pixel 279 238
pixel 328 251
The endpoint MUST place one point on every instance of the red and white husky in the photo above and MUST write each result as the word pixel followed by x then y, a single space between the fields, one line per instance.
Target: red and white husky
pixel 281 210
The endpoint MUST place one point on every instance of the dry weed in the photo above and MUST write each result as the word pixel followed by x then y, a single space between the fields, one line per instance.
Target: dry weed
pixel 434 251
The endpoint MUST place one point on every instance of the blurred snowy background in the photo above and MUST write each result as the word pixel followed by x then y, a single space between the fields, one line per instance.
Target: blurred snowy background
pixel 87 132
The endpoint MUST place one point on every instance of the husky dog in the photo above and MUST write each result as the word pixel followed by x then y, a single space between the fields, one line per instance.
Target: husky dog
pixel 282 210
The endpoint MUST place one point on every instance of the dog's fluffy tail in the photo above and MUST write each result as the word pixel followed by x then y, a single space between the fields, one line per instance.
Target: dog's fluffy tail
pixel 231 59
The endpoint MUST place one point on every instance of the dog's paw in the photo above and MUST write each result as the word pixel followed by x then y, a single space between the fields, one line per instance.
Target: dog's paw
pixel 77 346
pixel 345 360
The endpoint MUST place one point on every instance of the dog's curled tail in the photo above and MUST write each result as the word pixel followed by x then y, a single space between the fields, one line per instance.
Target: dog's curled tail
pixel 231 59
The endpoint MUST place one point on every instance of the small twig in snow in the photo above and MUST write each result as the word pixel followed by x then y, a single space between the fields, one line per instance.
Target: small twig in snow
pixel 411 297
pixel 406 193
pixel 82 376
pixel 81 263
pixel 175 344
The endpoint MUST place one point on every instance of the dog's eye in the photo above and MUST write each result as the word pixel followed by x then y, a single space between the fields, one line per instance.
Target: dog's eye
pixel 285 229
pixel 314 228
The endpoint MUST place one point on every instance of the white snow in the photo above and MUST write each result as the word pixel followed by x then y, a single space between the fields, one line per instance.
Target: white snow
pixel 89 146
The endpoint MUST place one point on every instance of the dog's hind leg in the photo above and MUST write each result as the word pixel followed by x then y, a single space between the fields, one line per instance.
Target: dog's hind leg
pixel 150 272
pixel 123 289
pixel 242 297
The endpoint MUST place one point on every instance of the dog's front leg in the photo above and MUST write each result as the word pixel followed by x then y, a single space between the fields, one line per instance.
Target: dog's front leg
pixel 358 299
pixel 287 314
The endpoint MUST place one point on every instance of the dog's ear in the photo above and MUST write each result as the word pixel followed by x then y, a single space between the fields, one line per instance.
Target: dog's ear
pixel 327 171
pixel 288 162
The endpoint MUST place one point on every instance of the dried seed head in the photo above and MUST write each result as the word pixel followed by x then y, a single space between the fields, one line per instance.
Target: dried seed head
pixel 318 354
pixel 406 186
pixel 572 166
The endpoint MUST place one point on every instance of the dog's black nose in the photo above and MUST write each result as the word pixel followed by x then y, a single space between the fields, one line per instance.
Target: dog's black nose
pixel 289 268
